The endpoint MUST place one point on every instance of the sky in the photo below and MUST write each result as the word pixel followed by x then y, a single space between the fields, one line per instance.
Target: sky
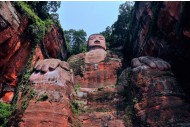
pixel 91 16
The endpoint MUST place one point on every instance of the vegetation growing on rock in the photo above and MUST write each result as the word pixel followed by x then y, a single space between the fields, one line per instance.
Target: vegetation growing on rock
pixel 38 26
pixel 39 20
pixel 5 113
pixel 140 91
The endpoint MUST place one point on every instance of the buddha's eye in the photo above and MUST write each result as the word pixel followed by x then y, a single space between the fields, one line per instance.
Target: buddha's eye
pixel 91 38
pixel 101 38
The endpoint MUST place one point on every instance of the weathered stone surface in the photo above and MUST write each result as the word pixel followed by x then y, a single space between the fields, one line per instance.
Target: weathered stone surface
pixel 52 71
pixel 9 15
pixel 93 75
pixel 97 75
pixel 53 92
pixel 166 20
pixel 97 67
pixel 54 43
pixel 158 97
pixel 11 54
pixel 100 103
pixel 102 106
pixel 150 62
pixel 44 114
pixel 96 41
pixel 95 56
pixel 16 49
pixel 164 32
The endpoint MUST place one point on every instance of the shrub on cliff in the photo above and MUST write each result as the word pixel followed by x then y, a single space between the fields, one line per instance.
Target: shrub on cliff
pixel 39 19
pixel 43 8
pixel 5 112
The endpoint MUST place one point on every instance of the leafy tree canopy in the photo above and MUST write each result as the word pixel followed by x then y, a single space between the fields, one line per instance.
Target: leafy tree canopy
pixel 76 41
pixel 118 33
pixel 44 8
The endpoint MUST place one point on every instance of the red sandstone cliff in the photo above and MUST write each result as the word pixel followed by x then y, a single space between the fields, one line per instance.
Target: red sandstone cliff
pixel 16 48
pixel 159 99
pixel 161 29
pixel 52 91
pixel 94 75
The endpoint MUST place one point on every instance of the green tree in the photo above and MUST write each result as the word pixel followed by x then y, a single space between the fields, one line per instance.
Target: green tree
pixel 118 34
pixel 107 35
pixel 44 8
pixel 120 27
pixel 76 41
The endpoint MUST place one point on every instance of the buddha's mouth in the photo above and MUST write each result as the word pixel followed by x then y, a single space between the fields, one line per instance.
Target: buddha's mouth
pixel 97 42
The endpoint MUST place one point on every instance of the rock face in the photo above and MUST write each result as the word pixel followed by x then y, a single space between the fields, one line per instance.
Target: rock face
pixel 16 48
pixel 163 38
pixel 52 86
pixel 99 74
pixel 96 41
pixel 54 43
pixel 12 47
pixel 97 67
pixel 100 103
pixel 101 106
pixel 96 47
pixel 95 56
pixel 159 100
pixel 161 29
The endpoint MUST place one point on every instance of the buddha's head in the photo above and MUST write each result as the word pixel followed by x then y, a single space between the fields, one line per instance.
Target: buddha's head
pixel 96 41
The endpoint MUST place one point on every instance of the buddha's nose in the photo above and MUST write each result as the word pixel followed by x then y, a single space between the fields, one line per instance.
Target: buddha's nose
pixel 97 41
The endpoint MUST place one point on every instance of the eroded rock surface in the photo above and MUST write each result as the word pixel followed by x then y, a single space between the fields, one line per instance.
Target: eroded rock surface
pixel 96 41
pixel 100 104
pixel 103 106
pixel 16 47
pixel 96 47
pixel 52 82
pixel 12 60
pixel 158 96
pixel 97 67
pixel 161 29
pixel 95 56
pixel 54 43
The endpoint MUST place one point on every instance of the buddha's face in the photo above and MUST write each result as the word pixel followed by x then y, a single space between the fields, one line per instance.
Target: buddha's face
pixel 96 40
